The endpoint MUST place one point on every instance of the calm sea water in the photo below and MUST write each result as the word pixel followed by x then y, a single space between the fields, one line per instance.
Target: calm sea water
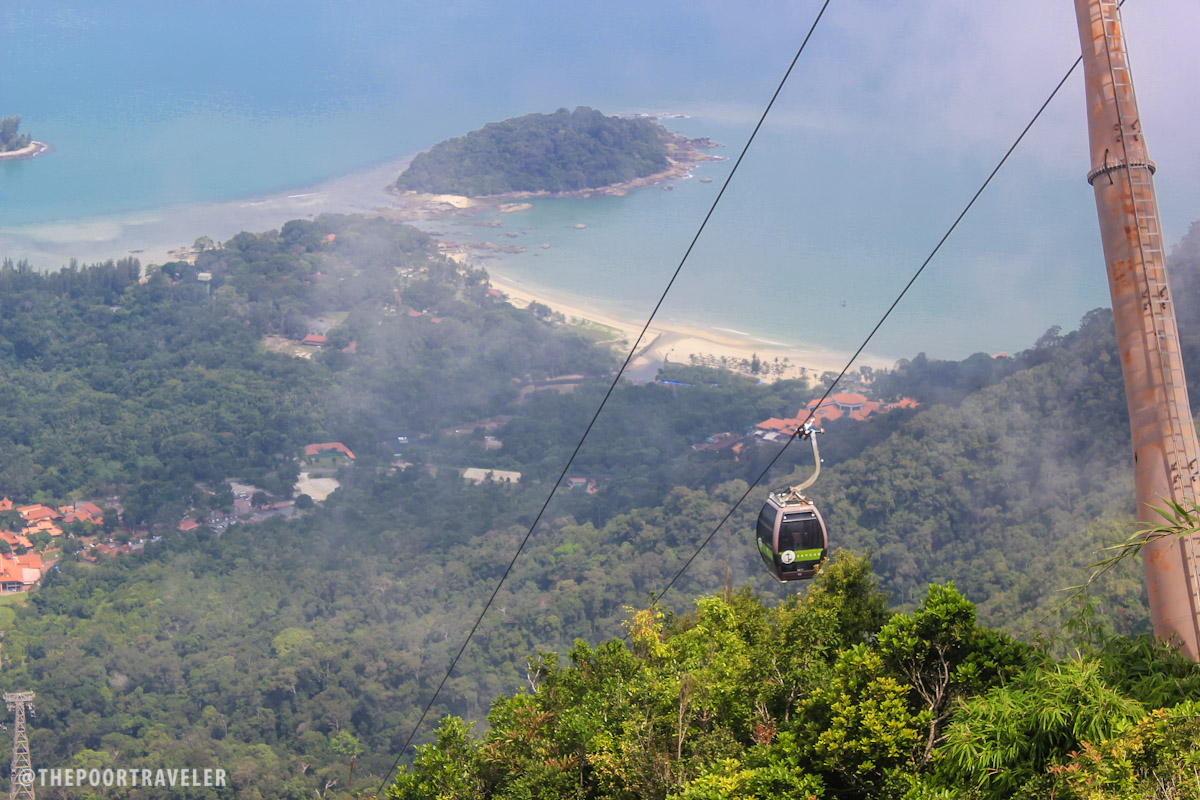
pixel 151 105
pixel 797 253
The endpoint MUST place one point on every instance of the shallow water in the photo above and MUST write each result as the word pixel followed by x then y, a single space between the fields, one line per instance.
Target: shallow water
pixel 170 121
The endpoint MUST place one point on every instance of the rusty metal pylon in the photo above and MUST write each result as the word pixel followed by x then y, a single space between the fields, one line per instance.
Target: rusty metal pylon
pixel 1166 453
pixel 21 777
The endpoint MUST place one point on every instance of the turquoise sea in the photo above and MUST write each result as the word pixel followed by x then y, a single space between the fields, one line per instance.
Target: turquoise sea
pixel 169 121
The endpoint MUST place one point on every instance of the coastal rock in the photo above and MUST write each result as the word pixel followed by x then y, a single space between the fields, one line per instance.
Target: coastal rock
pixel 457 201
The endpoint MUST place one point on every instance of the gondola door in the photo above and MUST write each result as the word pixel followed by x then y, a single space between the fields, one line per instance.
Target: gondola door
pixel 791 538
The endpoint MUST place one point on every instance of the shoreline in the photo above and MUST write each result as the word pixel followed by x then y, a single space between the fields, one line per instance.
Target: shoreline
pixel 684 155
pixel 157 236
pixel 687 344
pixel 31 150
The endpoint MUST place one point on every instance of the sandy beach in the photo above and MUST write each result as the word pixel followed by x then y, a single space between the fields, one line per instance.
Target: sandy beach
pixel 31 150
pixel 686 344
pixel 161 235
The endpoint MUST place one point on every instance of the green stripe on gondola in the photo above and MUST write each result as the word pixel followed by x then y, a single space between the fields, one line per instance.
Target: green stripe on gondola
pixel 808 555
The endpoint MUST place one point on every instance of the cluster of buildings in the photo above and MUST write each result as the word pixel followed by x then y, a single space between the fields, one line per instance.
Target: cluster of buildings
pixel 848 405
pixel 39 518
pixel 844 405
pixel 20 568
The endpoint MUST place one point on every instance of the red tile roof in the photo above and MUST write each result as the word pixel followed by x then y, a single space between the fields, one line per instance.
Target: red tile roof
pixel 83 512
pixel 317 449
pixel 91 509
pixel 26 569
pixel 45 526
pixel 782 425
pixel 36 512
pixel 15 539
pixel 825 413
pixel 313 340
pixel 848 399
pixel 844 404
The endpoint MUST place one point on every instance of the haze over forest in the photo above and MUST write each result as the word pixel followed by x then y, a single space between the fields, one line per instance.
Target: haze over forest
pixel 285 646
pixel 254 495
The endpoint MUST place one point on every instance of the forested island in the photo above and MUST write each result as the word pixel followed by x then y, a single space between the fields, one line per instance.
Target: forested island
pixel 290 649
pixel 17 145
pixel 567 151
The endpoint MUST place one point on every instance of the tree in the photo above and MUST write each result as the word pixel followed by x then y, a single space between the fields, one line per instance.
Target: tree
pixel 448 769
pixel 1156 757
pixel 1009 736
pixel 8 129
pixel 9 138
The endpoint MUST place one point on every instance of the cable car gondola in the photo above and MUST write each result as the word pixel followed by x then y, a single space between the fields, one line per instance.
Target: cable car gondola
pixel 791 533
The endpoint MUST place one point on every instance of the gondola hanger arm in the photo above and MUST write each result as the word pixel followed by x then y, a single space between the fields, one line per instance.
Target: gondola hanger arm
pixel 807 432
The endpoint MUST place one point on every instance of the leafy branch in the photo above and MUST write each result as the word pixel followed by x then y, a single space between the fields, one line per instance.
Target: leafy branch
pixel 1181 519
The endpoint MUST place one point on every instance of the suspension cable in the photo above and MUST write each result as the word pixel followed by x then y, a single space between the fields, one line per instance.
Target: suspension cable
pixel 874 330
pixel 612 387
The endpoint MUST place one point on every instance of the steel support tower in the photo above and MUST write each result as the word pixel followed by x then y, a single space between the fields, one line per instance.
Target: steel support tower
pixel 21 778
pixel 1165 449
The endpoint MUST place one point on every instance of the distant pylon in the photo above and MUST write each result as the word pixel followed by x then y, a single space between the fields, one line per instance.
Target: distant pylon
pixel 21 777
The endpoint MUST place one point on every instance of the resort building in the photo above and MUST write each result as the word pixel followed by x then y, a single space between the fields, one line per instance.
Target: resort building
pixel 328 454
pixel 850 405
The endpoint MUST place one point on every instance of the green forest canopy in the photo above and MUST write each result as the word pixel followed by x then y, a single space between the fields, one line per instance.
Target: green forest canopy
pixel 286 647
pixel 826 695
pixel 560 152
